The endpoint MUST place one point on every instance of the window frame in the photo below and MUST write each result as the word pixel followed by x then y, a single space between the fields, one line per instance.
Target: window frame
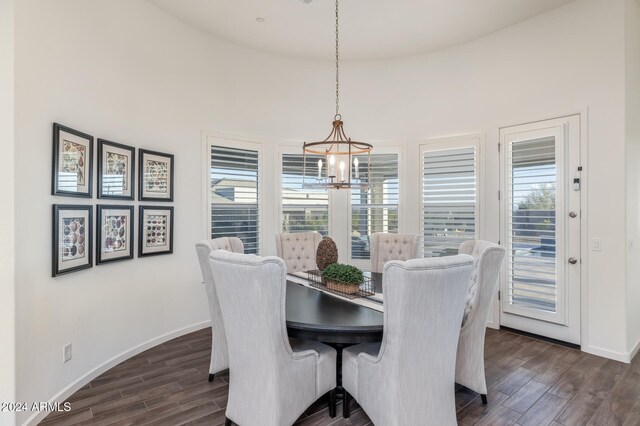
pixel 210 140
pixel 475 141
pixel 288 149
pixel 378 148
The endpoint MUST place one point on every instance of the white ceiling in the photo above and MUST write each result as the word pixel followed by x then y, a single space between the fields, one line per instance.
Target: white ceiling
pixel 369 29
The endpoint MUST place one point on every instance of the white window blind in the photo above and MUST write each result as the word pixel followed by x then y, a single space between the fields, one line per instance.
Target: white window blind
pixel 531 257
pixel 375 209
pixel 234 195
pixel 449 199
pixel 303 209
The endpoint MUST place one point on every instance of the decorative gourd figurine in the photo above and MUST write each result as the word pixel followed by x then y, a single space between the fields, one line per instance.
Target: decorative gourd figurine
pixel 327 253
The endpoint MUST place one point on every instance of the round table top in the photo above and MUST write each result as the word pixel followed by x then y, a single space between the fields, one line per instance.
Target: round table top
pixel 312 314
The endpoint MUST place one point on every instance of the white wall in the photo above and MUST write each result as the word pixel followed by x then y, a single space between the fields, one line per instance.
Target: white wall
pixel 7 234
pixel 562 62
pixel 632 97
pixel 127 72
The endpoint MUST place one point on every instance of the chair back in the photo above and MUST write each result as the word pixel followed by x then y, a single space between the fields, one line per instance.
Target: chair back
pixel 252 291
pixel 423 306
pixel 386 247
pixel 298 250
pixel 219 355
pixel 488 258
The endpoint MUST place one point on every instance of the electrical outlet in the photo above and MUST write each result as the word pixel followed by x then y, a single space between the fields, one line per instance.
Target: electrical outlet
pixel 66 353
pixel 596 244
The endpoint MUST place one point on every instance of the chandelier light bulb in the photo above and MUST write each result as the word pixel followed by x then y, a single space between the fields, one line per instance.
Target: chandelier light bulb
pixel 355 164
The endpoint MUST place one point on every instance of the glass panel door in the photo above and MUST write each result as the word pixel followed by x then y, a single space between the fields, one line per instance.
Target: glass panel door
pixel 540 289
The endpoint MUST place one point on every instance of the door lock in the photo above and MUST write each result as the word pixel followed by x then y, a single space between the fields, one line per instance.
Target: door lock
pixel 573 260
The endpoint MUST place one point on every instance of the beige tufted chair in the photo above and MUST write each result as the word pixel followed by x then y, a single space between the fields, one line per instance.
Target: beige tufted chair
pixel 408 378
pixel 386 247
pixel 298 250
pixel 219 356
pixel 488 258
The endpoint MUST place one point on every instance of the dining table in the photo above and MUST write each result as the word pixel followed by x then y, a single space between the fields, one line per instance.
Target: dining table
pixel 313 314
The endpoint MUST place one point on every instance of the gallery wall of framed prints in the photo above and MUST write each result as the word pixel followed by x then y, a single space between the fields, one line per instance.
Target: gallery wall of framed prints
pixel 73 224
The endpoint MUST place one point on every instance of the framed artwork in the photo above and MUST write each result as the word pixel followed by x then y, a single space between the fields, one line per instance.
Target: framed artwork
pixel 72 162
pixel 155 230
pixel 156 176
pixel 72 231
pixel 114 236
pixel 116 170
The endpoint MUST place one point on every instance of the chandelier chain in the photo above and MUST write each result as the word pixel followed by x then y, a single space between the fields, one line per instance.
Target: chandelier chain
pixel 337 66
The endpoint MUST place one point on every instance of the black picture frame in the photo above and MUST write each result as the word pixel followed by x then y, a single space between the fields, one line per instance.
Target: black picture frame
pixel 72 239
pixel 155 223
pixel 113 232
pixel 72 164
pixel 110 156
pixel 155 185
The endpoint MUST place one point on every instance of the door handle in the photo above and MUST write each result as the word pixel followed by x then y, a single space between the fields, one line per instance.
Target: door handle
pixel 572 214
pixel 573 260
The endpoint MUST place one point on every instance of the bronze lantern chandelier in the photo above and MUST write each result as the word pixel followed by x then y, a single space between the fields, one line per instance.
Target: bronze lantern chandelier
pixel 341 162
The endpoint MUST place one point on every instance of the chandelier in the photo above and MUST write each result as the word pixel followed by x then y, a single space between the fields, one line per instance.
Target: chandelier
pixel 336 162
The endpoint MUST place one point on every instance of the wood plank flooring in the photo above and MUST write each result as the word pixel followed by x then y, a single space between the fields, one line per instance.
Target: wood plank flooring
pixel 531 383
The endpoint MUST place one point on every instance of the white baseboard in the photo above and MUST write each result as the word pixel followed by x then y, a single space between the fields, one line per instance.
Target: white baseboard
pixel 636 348
pixel 614 355
pixel 92 374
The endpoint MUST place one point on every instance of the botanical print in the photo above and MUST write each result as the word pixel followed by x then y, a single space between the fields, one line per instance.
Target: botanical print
pixel 115 233
pixel 157 176
pixel 156 230
pixel 74 160
pixel 116 165
pixel 73 241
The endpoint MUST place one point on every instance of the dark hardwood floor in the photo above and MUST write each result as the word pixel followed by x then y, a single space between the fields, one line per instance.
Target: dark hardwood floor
pixel 531 383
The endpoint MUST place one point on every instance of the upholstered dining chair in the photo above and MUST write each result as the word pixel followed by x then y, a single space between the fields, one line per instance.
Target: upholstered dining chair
pixel 272 381
pixel 488 258
pixel 219 357
pixel 298 250
pixel 408 379
pixel 386 247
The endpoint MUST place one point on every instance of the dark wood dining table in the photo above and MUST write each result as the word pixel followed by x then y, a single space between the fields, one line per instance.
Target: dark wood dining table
pixel 314 315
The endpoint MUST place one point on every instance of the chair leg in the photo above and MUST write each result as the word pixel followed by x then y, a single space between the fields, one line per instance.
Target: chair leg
pixel 346 410
pixel 332 403
pixel 484 398
pixel 227 421
pixel 211 376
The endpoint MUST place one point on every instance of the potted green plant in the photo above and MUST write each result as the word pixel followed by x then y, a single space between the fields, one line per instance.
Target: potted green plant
pixel 341 277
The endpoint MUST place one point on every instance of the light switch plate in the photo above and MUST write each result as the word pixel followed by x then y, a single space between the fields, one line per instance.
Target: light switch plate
pixel 596 244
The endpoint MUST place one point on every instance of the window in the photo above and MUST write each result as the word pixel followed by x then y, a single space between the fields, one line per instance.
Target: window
pixel 234 197
pixel 449 207
pixel 532 195
pixel 376 208
pixel 303 209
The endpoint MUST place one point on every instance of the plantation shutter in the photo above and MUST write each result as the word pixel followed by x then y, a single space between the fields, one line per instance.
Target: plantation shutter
pixel 376 208
pixel 531 258
pixel 449 200
pixel 303 209
pixel 234 195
